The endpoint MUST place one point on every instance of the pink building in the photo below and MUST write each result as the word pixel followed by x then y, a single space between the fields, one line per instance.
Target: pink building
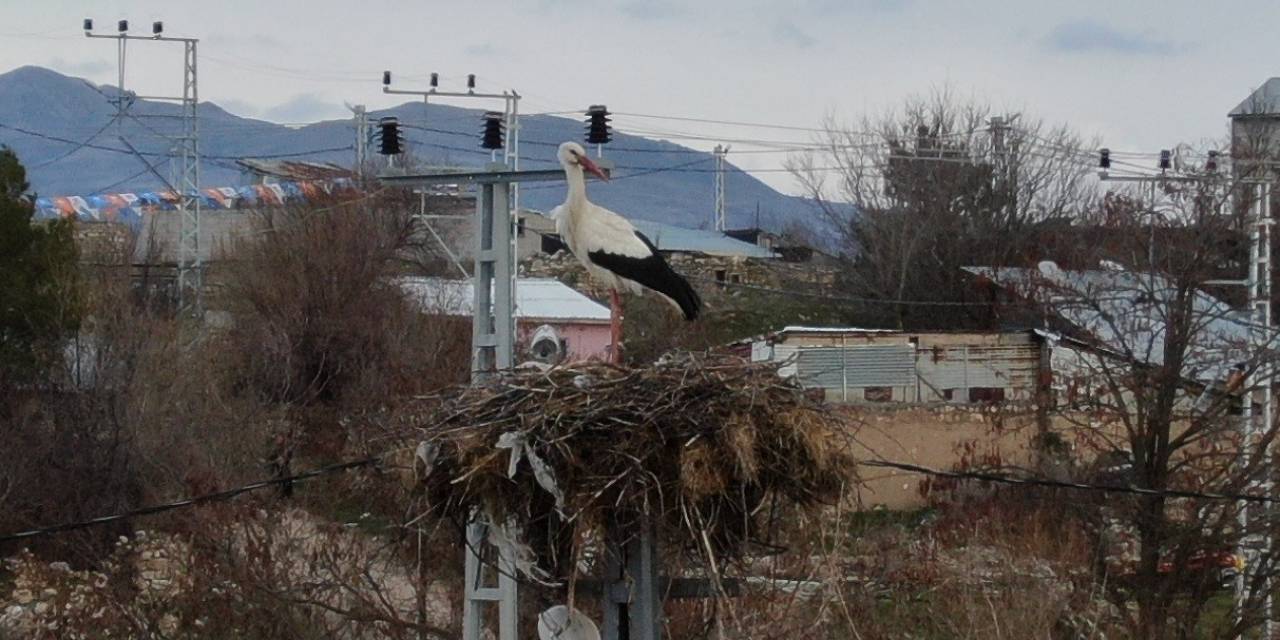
pixel 554 322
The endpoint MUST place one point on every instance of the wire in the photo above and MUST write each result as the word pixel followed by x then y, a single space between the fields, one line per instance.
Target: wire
pixel 374 460
pixel 78 147
pixel 84 144
pixel 1061 484
pixel 147 169
pixel 855 299
pixel 638 174
pixel 190 501
pixel 733 123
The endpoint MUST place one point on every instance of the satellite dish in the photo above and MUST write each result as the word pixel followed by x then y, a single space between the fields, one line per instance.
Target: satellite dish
pixel 547 346
pixel 561 623
pixel 1049 269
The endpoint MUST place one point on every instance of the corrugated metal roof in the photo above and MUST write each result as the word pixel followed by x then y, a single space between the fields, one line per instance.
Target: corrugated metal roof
pixel 295 169
pixel 837 330
pixel 1264 101
pixel 536 299
pixel 1126 312
pixel 672 238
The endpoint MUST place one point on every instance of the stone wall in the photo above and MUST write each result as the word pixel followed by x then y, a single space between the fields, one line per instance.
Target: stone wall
pixel 103 242
pixel 935 436
pixel 704 270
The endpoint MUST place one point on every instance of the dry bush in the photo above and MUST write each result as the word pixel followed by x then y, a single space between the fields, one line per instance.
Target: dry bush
pixel 321 328
pixel 137 415
pixel 869 576
pixel 233 572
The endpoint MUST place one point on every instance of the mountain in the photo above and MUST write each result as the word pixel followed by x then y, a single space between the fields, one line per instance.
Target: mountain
pixel 48 118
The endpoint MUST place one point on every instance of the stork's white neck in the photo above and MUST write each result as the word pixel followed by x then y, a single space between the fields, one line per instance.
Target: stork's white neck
pixel 577 196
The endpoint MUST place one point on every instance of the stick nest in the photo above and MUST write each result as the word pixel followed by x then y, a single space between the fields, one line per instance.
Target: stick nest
pixel 705 447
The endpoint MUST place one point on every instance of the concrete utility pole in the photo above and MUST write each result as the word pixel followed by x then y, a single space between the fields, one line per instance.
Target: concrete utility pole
pixel 1257 283
pixel 720 152
pixel 493 350
pixel 493 341
pixel 1005 172
pixel 186 150
pixel 361 121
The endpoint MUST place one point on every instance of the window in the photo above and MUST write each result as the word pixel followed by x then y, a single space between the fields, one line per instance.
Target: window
pixel 720 275
pixel 986 394
pixel 552 244
pixel 735 278
pixel 878 394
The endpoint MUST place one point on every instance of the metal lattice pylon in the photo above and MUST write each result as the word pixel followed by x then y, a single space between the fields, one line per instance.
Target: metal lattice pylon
pixel 185 153
pixel 190 265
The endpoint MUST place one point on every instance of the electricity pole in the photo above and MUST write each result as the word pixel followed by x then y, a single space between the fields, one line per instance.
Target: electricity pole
pixel 1005 173
pixel 361 120
pixel 1257 283
pixel 186 150
pixel 720 152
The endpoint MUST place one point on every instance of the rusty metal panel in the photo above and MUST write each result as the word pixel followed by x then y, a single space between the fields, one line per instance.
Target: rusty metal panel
pixel 1011 367
pixel 857 366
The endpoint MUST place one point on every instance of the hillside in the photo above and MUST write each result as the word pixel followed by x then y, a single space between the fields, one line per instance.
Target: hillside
pixel 656 180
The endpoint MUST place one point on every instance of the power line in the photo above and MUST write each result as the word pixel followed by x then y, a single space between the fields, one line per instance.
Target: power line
pixel 853 299
pixel 733 123
pixel 153 154
pixel 190 501
pixel 87 141
pixel 374 460
pixel 1062 484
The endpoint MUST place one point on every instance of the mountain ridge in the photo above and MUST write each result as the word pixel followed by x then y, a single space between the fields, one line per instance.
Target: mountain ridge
pixel 656 179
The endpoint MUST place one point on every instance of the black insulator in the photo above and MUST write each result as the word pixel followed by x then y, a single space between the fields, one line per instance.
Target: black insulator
pixel 122 26
pixel 1104 159
pixel 1211 164
pixel 598 129
pixel 435 80
pixel 157 28
pixel 491 136
pixel 1166 159
pixel 386 78
pixel 471 81
pixel 389 135
pixel 88 24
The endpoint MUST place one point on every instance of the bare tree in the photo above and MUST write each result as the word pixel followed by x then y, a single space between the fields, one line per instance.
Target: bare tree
pixel 937 185
pixel 1155 396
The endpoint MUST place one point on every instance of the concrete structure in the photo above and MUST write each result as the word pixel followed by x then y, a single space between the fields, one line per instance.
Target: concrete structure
pixel 939 436
pixel 272 171
pixel 1123 312
pixel 545 310
pixel 1255 125
pixel 862 366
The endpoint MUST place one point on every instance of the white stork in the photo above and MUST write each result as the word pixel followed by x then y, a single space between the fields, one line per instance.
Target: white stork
pixel 611 249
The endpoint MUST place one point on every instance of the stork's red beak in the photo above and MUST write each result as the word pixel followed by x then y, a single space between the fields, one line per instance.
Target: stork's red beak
pixel 591 167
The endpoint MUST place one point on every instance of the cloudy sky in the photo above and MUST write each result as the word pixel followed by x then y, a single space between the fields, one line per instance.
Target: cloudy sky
pixel 1140 75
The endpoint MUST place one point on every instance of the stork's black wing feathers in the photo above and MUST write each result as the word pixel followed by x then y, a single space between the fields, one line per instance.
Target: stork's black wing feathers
pixel 654 273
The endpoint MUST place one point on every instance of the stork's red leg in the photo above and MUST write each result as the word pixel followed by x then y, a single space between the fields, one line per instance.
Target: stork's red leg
pixel 615 327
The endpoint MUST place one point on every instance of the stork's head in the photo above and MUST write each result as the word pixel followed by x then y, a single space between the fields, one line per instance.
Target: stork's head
pixel 571 154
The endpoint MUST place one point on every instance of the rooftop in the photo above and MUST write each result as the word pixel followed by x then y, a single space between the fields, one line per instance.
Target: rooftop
pixel 294 169
pixel 1126 312
pixel 679 239
pixel 1263 101
pixel 536 299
